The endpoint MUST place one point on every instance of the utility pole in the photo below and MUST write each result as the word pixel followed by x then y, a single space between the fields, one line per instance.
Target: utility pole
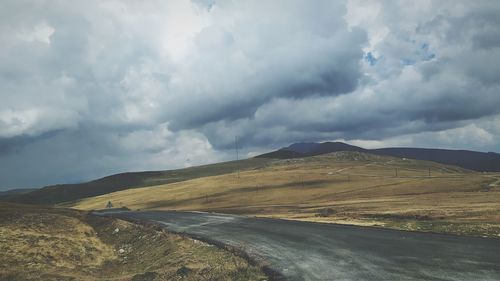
pixel 429 172
pixel 236 148
pixel 396 172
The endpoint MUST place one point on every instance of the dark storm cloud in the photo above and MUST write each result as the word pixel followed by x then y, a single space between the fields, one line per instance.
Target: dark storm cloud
pixel 300 63
pixel 96 87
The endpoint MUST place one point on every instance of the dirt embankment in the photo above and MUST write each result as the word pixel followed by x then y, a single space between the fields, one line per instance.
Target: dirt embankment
pixel 39 243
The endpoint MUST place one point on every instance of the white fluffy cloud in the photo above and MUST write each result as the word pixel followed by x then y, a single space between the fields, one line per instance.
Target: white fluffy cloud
pixel 93 87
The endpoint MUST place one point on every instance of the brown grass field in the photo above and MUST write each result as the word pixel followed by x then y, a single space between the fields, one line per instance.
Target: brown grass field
pixel 41 243
pixel 341 187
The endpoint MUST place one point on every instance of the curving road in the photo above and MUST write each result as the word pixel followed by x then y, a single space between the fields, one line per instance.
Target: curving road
pixel 315 251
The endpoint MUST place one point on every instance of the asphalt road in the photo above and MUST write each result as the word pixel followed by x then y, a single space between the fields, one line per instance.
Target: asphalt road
pixel 313 251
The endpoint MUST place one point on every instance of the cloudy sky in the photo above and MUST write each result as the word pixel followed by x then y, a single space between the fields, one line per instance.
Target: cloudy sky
pixel 90 88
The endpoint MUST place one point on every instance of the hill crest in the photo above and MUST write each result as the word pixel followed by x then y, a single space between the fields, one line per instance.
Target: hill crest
pixel 472 160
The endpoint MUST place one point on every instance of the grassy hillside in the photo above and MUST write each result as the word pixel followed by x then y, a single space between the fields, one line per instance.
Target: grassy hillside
pixel 473 160
pixel 342 187
pixel 68 192
pixel 14 192
pixel 40 243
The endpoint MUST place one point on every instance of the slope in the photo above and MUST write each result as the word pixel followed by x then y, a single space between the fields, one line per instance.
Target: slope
pixel 68 192
pixel 472 160
pixel 42 243
pixel 342 187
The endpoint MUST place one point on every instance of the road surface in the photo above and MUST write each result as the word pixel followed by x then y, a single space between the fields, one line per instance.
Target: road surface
pixel 314 251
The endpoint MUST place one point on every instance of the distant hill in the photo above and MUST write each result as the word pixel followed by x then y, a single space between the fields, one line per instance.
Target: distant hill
pixel 69 192
pixel 328 147
pixel 472 160
pixel 13 192
pixel 304 149
pixel 281 154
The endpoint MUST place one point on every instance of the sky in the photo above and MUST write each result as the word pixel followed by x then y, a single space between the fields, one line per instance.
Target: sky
pixel 91 88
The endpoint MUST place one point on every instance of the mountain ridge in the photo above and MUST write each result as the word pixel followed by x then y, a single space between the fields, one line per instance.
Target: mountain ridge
pixel 468 159
pixel 54 194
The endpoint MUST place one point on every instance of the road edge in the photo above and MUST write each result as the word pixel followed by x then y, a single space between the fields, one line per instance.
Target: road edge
pixel 271 273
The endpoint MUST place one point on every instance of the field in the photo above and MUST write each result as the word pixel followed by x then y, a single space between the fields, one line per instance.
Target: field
pixel 59 193
pixel 340 187
pixel 41 243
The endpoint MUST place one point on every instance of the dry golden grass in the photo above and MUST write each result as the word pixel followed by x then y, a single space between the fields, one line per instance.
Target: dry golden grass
pixel 38 243
pixel 342 187
pixel 43 240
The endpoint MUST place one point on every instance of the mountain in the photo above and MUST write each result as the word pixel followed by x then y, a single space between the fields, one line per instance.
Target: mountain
pixel 281 154
pixel 304 149
pixel 69 192
pixel 327 147
pixel 472 160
